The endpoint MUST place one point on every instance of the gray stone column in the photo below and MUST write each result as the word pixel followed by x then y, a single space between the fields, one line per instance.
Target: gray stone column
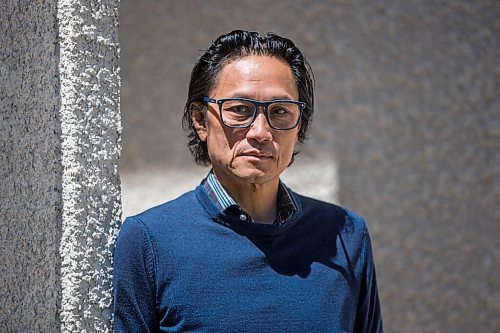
pixel 30 168
pixel 59 149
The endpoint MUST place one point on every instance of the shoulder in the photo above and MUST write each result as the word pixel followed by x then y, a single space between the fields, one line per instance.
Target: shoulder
pixel 162 218
pixel 347 221
pixel 333 224
pixel 320 207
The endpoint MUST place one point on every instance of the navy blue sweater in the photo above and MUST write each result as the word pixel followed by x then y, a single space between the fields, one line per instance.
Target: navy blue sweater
pixel 185 266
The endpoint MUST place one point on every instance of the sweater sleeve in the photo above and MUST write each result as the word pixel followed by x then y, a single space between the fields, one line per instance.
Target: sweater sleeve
pixel 134 279
pixel 368 316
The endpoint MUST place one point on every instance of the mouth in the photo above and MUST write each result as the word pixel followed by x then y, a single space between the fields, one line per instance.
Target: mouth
pixel 256 155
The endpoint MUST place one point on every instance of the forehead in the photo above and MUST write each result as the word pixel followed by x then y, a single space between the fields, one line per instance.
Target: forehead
pixel 256 76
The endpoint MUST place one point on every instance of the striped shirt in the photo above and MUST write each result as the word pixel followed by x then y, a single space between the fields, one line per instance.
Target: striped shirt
pixel 286 206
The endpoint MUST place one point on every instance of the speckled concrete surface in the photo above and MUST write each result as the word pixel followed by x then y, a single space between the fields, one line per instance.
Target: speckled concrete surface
pixel 90 124
pixel 408 103
pixel 421 109
pixel 30 168
pixel 59 149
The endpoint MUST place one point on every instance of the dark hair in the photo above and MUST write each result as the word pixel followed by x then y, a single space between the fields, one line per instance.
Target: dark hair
pixel 236 45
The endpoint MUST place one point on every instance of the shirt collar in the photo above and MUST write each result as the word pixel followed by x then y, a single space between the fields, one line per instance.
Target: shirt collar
pixel 220 195
pixel 223 200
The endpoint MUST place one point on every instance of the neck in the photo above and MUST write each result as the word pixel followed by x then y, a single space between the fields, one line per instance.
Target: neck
pixel 258 200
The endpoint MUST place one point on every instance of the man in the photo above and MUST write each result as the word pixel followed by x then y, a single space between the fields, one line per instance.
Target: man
pixel 242 252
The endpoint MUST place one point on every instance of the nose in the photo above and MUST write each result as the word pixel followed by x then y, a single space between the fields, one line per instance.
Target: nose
pixel 259 130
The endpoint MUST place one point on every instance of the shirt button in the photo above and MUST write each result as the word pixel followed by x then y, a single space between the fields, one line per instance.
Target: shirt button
pixel 243 217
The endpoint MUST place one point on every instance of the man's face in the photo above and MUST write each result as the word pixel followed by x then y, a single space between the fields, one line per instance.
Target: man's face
pixel 257 154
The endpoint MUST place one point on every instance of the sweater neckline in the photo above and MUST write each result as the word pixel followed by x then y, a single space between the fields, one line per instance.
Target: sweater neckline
pixel 245 227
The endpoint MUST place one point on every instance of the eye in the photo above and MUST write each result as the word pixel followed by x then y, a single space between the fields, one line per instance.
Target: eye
pixel 236 112
pixel 279 111
pixel 241 108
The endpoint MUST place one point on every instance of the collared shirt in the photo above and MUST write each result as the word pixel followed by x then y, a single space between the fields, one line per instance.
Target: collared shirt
pixel 286 206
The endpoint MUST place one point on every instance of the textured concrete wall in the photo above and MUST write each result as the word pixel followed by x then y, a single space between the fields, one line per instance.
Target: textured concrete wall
pixel 90 124
pixel 30 168
pixel 408 104
pixel 59 149
pixel 418 141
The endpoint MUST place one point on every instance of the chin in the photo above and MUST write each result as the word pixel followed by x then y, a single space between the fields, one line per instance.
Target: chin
pixel 254 175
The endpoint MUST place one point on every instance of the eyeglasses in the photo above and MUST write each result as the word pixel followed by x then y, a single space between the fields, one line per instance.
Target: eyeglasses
pixel 241 112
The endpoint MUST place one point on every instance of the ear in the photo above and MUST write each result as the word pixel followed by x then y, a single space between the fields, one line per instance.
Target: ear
pixel 198 116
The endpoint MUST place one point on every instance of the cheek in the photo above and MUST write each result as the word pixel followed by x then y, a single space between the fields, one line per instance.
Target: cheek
pixel 223 141
pixel 287 147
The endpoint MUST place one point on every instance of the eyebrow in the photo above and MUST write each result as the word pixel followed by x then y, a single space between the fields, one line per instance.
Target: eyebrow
pixel 273 98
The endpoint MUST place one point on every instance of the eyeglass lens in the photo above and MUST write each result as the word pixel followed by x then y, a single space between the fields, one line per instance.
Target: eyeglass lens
pixel 281 115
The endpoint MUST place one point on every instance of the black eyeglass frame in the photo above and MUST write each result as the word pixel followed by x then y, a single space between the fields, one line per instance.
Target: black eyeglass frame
pixel 257 104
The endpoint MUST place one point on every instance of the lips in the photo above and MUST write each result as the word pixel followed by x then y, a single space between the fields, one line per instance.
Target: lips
pixel 256 154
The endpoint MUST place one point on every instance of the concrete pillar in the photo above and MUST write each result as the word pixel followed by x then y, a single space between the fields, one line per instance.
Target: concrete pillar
pixel 59 148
